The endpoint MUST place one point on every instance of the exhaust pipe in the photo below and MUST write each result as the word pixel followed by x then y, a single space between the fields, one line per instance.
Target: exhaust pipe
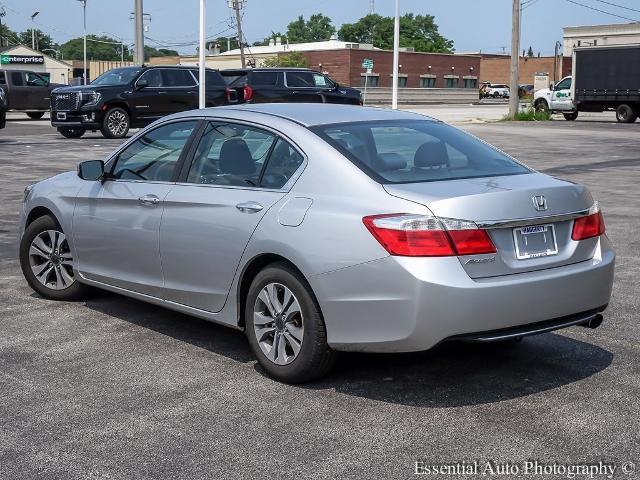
pixel 593 322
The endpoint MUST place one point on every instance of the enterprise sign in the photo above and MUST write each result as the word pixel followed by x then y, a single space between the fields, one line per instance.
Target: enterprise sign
pixel 22 59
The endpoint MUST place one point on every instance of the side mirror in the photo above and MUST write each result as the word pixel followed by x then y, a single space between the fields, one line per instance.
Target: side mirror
pixel 91 170
pixel 140 84
pixel 551 86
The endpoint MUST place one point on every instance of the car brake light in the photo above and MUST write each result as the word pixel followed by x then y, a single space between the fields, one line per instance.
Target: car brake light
pixel 588 227
pixel 426 236
pixel 229 92
pixel 248 93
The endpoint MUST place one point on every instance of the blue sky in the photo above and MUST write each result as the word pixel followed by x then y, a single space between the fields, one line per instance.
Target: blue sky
pixel 471 24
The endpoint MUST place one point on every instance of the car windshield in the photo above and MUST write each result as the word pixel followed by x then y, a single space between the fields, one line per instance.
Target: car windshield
pixel 409 151
pixel 117 76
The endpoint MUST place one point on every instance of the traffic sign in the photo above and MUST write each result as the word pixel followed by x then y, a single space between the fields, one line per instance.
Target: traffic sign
pixel 367 63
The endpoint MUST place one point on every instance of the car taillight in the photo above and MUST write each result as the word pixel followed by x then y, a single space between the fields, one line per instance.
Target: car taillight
pixel 248 93
pixel 229 92
pixel 588 227
pixel 410 235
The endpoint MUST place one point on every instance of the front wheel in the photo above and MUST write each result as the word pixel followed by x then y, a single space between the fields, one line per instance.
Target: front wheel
pixel 571 116
pixel 541 106
pixel 35 115
pixel 626 114
pixel 285 328
pixel 116 123
pixel 47 261
pixel 71 132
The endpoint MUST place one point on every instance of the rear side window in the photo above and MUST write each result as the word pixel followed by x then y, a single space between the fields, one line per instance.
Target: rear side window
pixel 177 78
pixel 213 79
pixel 264 78
pixel 283 163
pixel 417 151
pixel 16 79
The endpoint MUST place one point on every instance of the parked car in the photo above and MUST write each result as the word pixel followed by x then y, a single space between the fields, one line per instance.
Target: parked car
pixel 132 97
pixel 262 85
pixel 591 90
pixel 27 91
pixel 525 90
pixel 496 90
pixel 321 228
pixel 3 108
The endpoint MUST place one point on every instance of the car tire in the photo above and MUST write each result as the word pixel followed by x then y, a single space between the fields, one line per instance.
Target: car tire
pixel 35 115
pixel 47 261
pixel 289 341
pixel 570 116
pixel 69 132
pixel 116 123
pixel 626 114
pixel 541 105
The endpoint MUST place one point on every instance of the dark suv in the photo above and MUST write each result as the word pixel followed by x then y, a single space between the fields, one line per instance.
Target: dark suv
pixel 269 85
pixel 132 97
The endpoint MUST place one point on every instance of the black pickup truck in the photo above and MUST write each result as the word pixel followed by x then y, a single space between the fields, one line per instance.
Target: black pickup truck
pixel 133 97
pixel 3 109
pixel 27 91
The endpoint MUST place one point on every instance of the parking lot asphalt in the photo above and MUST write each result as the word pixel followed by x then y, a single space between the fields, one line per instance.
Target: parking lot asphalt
pixel 114 388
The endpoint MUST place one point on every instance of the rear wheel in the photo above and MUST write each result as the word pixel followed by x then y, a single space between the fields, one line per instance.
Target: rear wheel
pixel 35 115
pixel 47 261
pixel 626 114
pixel 541 105
pixel 570 116
pixel 116 123
pixel 285 328
pixel 71 132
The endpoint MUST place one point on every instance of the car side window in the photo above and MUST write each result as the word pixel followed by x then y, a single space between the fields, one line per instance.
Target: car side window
pixel 17 79
pixel 177 78
pixel 153 156
pixel 152 77
pixel 564 85
pixel 230 154
pixel 35 80
pixel 281 165
pixel 300 79
pixel 264 78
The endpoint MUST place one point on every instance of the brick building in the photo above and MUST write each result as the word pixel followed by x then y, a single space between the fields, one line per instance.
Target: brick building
pixel 496 68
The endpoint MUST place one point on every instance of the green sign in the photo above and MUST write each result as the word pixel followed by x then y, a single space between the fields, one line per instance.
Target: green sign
pixel 21 59
pixel 367 63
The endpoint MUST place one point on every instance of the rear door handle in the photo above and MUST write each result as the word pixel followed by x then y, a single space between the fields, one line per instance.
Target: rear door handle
pixel 249 207
pixel 149 199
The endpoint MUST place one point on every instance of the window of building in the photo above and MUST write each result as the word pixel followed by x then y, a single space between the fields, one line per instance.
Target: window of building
pixel 372 80
pixel 470 83
pixel 402 82
pixel 451 82
pixel 428 82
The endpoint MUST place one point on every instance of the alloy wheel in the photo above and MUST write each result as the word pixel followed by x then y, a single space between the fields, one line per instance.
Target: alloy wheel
pixel 278 323
pixel 51 260
pixel 117 123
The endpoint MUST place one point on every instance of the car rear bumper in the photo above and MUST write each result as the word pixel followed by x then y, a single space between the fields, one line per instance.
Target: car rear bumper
pixel 400 304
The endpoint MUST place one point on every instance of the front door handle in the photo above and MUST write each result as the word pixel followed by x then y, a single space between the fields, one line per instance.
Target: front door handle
pixel 149 199
pixel 249 207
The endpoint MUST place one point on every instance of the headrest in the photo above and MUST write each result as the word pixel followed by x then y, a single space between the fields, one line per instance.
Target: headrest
pixel 235 158
pixel 386 162
pixel 431 154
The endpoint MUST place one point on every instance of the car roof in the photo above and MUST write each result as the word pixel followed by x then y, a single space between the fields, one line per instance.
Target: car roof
pixel 312 114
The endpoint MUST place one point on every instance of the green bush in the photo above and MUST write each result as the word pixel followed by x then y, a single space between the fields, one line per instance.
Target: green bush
pixel 529 115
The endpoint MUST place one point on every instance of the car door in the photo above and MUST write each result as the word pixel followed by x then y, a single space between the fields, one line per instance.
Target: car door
pixel 265 87
pixel 147 101
pixel 237 173
pixel 561 95
pixel 179 89
pixel 39 95
pixel 302 87
pixel 116 222
pixel 19 91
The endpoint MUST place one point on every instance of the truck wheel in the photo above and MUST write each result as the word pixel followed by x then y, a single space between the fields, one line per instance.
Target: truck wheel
pixel 35 115
pixel 626 114
pixel 571 116
pixel 71 132
pixel 541 105
pixel 116 123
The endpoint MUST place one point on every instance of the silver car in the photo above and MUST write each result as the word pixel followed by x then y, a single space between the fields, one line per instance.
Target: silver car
pixel 321 228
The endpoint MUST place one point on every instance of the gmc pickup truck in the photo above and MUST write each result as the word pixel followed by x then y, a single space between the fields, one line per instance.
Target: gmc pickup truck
pixel 27 91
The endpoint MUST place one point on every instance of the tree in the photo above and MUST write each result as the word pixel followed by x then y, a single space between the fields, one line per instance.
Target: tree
pixel 317 28
pixel 8 36
pixel 43 41
pixel 98 48
pixel 291 59
pixel 530 52
pixel 159 52
pixel 273 36
pixel 417 31
pixel 222 43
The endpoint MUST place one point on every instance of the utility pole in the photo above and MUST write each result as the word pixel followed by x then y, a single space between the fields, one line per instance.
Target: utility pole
pixel 139 35
pixel 237 6
pixel 396 56
pixel 514 100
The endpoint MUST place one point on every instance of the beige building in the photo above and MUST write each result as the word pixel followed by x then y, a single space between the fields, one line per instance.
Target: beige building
pixel 21 57
pixel 597 35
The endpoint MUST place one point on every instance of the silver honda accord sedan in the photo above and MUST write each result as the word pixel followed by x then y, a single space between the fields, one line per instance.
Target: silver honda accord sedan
pixel 321 228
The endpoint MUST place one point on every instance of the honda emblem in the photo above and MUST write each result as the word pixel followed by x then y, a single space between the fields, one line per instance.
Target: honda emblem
pixel 539 203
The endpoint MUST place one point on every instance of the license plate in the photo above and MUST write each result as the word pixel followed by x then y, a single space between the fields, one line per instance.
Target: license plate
pixel 61 116
pixel 535 241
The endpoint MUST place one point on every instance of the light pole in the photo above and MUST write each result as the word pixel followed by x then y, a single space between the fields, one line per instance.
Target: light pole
pixel 33 30
pixel 139 35
pixel 84 20
pixel 202 90
pixel 396 56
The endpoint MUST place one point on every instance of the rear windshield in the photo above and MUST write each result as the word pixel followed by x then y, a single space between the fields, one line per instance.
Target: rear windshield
pixel 117 76
pixel 417 151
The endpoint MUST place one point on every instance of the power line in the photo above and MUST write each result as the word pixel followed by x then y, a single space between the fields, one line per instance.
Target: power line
pixel 619 6
pixel 601 11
